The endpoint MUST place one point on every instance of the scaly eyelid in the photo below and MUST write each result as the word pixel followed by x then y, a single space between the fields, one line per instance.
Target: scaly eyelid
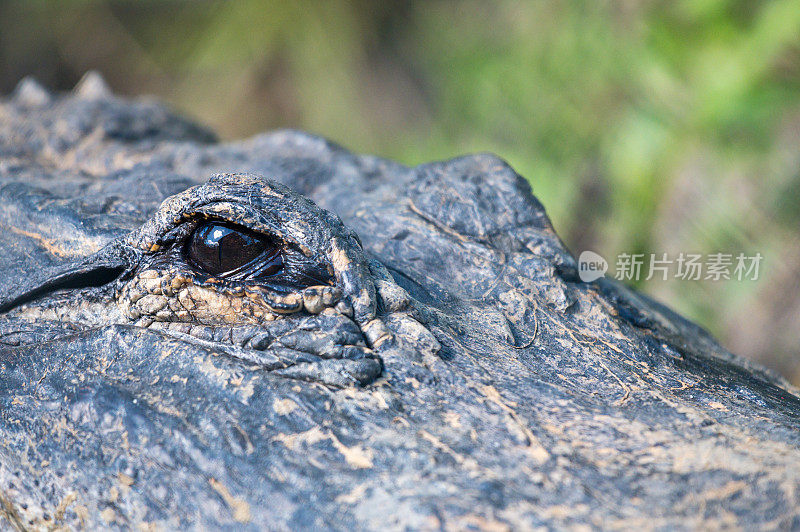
pixel 301 265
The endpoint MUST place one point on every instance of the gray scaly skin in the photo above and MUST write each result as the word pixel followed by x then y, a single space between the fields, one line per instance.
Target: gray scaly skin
pixel 448 372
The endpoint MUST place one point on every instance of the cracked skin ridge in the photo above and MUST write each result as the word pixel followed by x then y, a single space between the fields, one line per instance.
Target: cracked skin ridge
pixel 454 374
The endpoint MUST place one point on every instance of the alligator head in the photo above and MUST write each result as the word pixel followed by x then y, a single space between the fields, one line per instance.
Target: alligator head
pixel 234 355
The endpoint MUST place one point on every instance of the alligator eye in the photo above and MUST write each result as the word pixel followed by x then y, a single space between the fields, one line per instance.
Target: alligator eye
pixel 225 251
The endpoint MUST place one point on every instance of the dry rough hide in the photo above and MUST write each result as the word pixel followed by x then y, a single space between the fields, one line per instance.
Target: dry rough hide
pixel 424 358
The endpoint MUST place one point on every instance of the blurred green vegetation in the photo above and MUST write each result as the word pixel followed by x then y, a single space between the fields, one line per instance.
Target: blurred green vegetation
pixel 642 126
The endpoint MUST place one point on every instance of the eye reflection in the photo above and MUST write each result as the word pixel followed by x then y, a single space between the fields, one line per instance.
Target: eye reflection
pixel 222 250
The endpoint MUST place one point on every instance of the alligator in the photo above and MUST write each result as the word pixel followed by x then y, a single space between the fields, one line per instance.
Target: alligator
pixel 278 333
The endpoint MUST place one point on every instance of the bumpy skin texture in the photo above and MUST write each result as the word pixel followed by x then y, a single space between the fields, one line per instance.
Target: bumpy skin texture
pixel 455 375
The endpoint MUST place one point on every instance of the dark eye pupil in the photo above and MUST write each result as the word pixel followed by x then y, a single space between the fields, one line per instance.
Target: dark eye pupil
pixel 219 249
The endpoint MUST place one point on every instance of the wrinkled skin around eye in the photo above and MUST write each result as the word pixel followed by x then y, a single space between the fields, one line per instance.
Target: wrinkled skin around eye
pixel 232 252
pixel 215 271
pixel 242 262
